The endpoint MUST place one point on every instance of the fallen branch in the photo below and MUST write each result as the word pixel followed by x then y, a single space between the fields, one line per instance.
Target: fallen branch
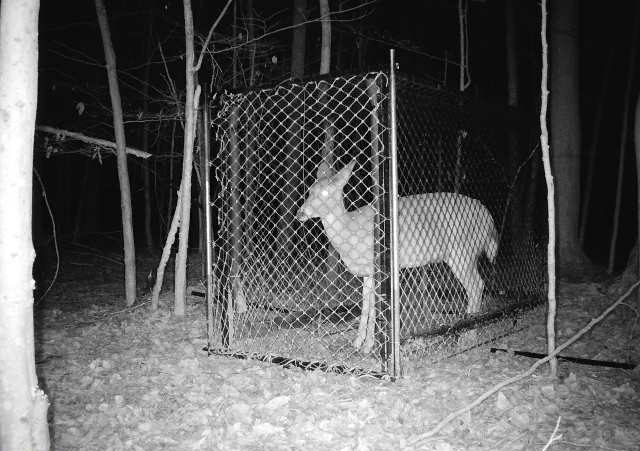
pixel 496 388
pixel 90 140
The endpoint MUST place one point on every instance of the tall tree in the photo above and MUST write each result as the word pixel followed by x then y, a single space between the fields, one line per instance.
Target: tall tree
pixel 190 113
pixel 121 156
pixel 146 165
pixel 299 41
pixel 23 409
pixel 290 193
pixel 565 130
pixel 514 157
pixel 325 45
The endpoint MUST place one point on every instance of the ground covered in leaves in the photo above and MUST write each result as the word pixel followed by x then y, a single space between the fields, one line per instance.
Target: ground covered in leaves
pixel 133 379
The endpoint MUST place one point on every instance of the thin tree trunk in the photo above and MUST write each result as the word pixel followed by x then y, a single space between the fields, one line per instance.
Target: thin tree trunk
pixel 23 406
pixel 325 46
pixel 146 166
pixel 299 42
pixel 532 195
pixel 234 62
pixel 190 111
pixel 593 151
pixel 123 172
pixel 333 257
pixel 514 154
pixel 79 220
pixel 565 130
pixel 636 142
pixel 292 168
pixel 171 182
pixel 623 143
pixel 551 245
pixel 252 47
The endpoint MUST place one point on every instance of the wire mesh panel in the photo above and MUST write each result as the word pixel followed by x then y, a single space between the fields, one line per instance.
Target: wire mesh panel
pixel 303 241
pixel 290 257
pixel 478 276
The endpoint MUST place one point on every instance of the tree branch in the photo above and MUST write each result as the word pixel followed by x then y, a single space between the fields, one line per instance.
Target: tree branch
pixel 90 140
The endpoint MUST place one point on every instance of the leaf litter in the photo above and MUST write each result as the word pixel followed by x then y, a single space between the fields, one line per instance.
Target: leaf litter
pixel 138 380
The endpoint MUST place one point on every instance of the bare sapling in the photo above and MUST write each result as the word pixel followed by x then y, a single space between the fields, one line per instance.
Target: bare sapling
pixel 434 227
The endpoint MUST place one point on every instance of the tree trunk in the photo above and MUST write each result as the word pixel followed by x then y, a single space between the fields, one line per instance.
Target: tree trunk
pixel 632 271
pixel 636 144
pixel 146 165
pixel 565 131
pixel 593 149
pixel 623 144
pixel 325 46
pixel 292 168
pixel 123 171
pixel 514 154
pixel 190 112
pixel 23 409
pixel 333 257
pixel 551 210
pixel 299 42
pixel 252 47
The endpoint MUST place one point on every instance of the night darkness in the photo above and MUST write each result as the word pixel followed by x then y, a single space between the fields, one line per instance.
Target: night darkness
pixel 84 191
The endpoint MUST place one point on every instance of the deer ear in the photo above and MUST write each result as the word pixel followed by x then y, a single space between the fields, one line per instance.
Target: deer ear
pixel 324 170
pixel 343 175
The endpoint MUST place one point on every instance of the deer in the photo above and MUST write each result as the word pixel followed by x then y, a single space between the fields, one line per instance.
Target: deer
pixel 432 228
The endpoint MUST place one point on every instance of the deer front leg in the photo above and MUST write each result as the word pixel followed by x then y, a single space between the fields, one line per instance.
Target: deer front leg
pixel 366 329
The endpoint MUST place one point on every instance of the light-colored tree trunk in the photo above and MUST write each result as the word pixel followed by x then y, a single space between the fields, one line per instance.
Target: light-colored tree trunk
pixel 121 156
pixel 565 130
pixel 548 175
pixel 190 112
pixel 325 45
pixel 23 406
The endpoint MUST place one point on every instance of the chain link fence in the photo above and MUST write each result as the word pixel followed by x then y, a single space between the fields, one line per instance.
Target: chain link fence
pixel 303 270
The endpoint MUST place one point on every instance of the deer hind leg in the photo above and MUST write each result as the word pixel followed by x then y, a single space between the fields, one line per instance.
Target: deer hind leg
pixel 466 271
pixel 366 329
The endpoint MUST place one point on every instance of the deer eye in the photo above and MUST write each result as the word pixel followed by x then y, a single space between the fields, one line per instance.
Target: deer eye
pixel 324 193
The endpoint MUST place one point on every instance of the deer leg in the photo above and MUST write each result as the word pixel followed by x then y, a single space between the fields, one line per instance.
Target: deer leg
pixel 371 320
pixel 467 273
pixel 364 339
pixel 474 289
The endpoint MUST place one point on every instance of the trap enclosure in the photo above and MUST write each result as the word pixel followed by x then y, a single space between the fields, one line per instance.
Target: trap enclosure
pixel 362 222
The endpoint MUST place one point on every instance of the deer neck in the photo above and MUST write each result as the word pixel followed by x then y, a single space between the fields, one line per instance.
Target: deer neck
pixel 336 223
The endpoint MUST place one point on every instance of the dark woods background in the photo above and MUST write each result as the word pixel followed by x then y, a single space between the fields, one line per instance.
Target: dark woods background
pixel 148 37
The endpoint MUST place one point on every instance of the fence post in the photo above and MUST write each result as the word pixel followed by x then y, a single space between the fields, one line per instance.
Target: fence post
pixel 395 364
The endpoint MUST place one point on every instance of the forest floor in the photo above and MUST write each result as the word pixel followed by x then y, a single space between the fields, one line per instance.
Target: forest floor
pixel 133 379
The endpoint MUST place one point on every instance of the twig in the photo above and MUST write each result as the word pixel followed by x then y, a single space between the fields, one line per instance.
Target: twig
pixel 289 27
pixel 206 41
pixel 554 437
pixel 415 441
pixel 90 140
pixel 55 238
